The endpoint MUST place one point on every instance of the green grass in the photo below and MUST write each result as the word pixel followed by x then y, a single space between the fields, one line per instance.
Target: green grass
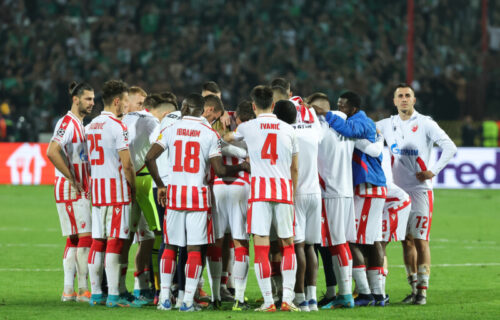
pixel 465 231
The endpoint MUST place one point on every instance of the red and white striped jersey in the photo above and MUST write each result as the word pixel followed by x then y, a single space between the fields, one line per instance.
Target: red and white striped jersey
pixel 190 144
pixel 368 190
pixel 69 133
pixel 304 114
pixel 228 158
pixel 271 145
pixel 106 136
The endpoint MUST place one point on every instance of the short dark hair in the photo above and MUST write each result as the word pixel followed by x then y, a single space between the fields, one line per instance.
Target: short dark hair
pixel 154 100
pixel 352 99
pixel 404 85
pixel 194 102
pixel 214 101
pixel 262 96
pixel 244 111
pixel 76 89
pixel 282 82
pixel 170 97
pixel 113 89
pixel 211 86
pixel 316 96
pixel 285 110
pixel 279 90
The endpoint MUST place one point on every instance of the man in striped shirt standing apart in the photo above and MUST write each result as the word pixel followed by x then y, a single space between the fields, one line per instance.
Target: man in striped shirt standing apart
pixel 273 152
pixel 113 188
pixel 68 153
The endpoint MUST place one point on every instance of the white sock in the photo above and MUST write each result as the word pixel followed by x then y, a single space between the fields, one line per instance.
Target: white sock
pixel 288 272
pixel 375 278
pixel 299 298
pixel 96 263
pixel 193 273
pixel 386 272
pixel 262 268
pixel 141 280
pixel 240 273
pixel 224 278
pixel 112 266
pixel 230 275
pixel 311 293
pixel 82 266
pixel 69 266
pixel 359 275
pixel 423 279
pixel 167 273
pixel 214 263
pixel 340 263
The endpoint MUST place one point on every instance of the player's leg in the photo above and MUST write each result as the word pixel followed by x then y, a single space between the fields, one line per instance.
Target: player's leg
pixel 199 232
pixel 117 232
pixel 301 205
pixel 275 259
pixel 69 230
pixel 96 255
pixel 311 277
pixel 283 221
pixel 146 239
pixel 312 237
pixel 330 280
pixel 158 247
pixel 82 211
pixel 259 220
pixel 226 280
pixel 180 276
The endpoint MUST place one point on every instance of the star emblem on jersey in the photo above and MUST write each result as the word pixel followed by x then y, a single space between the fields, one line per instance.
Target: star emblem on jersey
pixel 422 232
pixel 414 128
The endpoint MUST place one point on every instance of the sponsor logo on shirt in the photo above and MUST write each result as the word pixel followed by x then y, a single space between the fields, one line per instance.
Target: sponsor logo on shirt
pixel 83 156
pixel 403 152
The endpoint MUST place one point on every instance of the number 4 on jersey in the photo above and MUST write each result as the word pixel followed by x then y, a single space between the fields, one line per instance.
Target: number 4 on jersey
pixel 269 149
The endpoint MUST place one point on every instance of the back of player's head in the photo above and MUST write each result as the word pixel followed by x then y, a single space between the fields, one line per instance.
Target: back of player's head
pixel 285 110
pixel 76 89
pixel 193 105
pixel 244 111
pixel 282 82
pixel 113 89
pixel 215 102
pixel 316 96
pixel 352 98
pixel 279 93
pixel 137 90
pixel 262 97
pixel 211 86
pixel 404 85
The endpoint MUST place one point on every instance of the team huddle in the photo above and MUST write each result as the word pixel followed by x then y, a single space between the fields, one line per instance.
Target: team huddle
pixel 192 183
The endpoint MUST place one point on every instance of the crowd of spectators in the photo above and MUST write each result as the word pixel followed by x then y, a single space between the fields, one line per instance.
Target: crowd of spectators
pixel 176 45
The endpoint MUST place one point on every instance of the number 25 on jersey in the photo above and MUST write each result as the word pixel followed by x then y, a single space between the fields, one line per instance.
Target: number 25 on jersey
pixel 94 146
pixel 269 149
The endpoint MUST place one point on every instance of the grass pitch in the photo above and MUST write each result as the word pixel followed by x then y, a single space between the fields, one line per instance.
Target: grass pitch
pixel 464 283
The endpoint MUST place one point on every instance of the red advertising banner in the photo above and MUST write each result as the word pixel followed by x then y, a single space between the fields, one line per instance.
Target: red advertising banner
pixel 25 163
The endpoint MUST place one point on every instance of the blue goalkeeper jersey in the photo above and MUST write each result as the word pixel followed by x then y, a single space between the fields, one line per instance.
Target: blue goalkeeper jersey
pixel 365 169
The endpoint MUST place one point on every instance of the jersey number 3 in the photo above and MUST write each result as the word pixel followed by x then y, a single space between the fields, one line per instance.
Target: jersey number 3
pixel 94 146
pixel 191 157
pixel 269 149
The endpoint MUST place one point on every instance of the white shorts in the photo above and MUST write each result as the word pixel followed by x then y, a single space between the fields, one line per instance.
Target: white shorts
pixel 139 225
pixel 337 221
pixel 261 215
pixel 419 222
pixel 182 227
pixel 368 212
pixel 231 202
pixel 111 222
pixel 308 218
pixel 75 216
pixel 395 220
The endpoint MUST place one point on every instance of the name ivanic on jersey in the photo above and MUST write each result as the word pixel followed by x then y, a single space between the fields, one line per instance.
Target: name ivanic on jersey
pixel 272 126
pixel 97 126
pixel 403 152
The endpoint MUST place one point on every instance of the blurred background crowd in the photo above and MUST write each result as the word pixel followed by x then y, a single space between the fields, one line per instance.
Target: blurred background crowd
pixel 176 45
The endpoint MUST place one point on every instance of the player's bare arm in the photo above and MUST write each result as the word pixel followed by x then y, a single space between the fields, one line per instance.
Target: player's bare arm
pixel 129 170
pixel 229 137
pixel 153 154
pixel 222 170
pixel 56 156
pixel 294 170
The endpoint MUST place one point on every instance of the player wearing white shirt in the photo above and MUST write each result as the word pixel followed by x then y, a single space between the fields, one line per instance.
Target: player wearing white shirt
pixel 69 154
pixel 410 137
pixel 113 188
pixel 338 216
pixel 273 153
pixel 143 127
pixel 193 147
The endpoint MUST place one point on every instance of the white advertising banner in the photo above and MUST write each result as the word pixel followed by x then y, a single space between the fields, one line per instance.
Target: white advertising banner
pixel 474 168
